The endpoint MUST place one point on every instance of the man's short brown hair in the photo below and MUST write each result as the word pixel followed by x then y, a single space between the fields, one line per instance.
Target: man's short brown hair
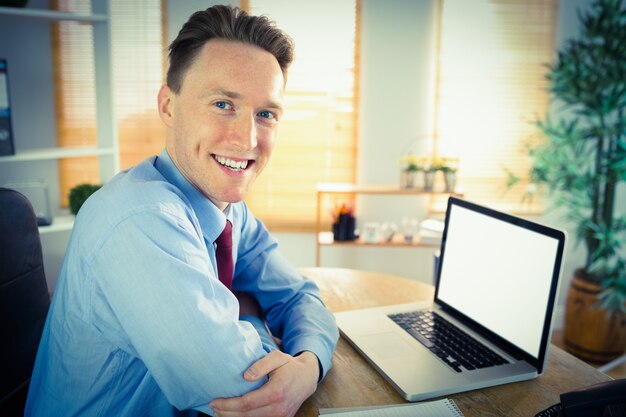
pixel 228 23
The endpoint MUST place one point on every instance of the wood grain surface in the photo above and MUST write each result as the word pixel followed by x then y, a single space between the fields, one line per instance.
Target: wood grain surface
pixel 352 382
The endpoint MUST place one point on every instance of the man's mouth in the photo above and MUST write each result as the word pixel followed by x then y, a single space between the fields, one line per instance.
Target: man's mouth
pixel 232 164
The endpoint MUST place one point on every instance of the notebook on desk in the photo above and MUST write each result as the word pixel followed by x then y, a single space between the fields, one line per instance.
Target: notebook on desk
pixel 491 319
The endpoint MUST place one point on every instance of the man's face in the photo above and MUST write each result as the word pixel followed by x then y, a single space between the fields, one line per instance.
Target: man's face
pixel 222 124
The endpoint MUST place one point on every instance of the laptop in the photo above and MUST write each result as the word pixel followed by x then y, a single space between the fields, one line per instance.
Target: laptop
pixel 491 318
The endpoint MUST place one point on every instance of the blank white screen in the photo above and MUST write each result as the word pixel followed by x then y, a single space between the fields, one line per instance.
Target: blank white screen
pixel 498 274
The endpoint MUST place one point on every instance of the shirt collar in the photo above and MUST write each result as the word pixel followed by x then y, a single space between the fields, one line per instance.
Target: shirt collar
pixel 212 220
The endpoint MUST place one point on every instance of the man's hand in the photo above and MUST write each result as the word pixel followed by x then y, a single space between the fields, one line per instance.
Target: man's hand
pixel 291 381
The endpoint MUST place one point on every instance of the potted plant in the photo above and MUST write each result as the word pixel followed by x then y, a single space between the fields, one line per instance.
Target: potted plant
pixel 410 166
pixel 79 194
pixel 449 167
pixel 582 161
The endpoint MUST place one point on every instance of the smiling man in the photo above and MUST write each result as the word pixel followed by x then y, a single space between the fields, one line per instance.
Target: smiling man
pixel 172 294
pixel 222 120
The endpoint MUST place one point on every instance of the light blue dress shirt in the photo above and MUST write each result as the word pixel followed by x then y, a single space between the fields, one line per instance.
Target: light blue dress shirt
pixel 140 325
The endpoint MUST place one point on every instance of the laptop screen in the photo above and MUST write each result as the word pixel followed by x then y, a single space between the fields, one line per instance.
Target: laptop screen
pixel 501 272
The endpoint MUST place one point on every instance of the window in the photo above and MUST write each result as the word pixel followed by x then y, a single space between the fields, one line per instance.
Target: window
pixel 74 75
pixel 491 87
pixel 138 47
pixel 317 135
pixel 137 61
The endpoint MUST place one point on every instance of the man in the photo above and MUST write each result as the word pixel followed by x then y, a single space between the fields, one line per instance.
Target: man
pixel 140 323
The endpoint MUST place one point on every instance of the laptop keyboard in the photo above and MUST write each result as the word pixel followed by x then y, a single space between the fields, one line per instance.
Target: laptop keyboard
pixel 452 345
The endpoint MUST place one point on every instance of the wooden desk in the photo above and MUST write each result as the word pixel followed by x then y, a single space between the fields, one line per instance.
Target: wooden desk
pixel 353 382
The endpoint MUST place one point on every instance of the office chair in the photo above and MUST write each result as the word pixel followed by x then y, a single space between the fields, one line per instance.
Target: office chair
pixel 24 299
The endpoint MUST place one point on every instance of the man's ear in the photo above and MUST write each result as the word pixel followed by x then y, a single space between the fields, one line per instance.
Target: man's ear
pixel 166 99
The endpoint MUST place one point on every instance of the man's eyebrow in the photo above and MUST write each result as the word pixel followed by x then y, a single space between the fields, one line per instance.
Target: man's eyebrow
pixel 274 105
pixel 222 92
pixel 271 104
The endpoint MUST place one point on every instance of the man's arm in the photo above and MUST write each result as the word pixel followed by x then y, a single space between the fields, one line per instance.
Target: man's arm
pixel 156 282
pixel 294 313
pixel 291 379
pixel 292 305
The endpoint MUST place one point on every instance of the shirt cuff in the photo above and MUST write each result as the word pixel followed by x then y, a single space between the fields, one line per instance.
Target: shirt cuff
pixel 266 338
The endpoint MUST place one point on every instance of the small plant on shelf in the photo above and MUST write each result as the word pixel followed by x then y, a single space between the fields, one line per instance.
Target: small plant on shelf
pixel 449 166
pixel 79 194
pixel 410 165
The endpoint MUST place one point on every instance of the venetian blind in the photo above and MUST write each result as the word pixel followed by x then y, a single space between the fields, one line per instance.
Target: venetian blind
pixel 491 88
pixel 317 135
pixel 74 81
pixel 137 61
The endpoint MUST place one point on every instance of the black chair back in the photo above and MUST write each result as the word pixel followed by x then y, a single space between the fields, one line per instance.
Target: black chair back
pixel 24 299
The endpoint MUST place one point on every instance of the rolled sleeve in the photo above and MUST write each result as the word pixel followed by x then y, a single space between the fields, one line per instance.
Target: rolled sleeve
pixel 294 311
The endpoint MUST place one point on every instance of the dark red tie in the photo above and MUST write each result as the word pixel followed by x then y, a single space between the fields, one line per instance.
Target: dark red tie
pixel 224 255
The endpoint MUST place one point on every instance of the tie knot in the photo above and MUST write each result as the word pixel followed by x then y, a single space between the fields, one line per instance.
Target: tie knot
pixel 225 239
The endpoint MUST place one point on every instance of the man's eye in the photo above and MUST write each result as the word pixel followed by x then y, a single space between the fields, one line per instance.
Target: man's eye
pixel 223 105
pixel 266 115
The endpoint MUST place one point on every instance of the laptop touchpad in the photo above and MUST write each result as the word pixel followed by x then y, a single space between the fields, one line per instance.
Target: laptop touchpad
pixel 388 345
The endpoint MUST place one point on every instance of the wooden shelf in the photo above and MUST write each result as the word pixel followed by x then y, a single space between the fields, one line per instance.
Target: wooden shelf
pixel 59 224
pixel 53 15
pixel 344 188
pixel 56 153
pixel 326 239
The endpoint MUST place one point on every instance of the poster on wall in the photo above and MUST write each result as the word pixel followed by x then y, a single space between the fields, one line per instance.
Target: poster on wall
pixel 6 133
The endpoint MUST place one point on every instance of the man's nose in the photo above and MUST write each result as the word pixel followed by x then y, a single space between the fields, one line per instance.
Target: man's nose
pixel 243 133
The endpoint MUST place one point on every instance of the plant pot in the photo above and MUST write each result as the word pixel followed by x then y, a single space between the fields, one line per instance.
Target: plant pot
pixel 343 230
pixel 407 179
pixel 591 333
pixel 429 180
pixel 450 180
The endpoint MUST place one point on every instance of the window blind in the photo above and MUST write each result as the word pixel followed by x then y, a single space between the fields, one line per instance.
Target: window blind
pixel 491 88
pixel 138 45
pixel 317 135
pixel 137 61
pixel 74 81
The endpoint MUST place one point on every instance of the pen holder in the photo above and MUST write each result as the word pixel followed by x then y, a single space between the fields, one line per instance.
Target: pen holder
pixel 343 230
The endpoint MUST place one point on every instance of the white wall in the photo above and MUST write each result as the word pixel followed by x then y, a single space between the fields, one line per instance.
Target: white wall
pixel 179 11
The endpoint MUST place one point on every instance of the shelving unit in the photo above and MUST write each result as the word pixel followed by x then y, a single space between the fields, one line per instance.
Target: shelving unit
pixel 325 238
pixel 36 153
pixel 62 222
pixel 53 15
pixel 56 153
